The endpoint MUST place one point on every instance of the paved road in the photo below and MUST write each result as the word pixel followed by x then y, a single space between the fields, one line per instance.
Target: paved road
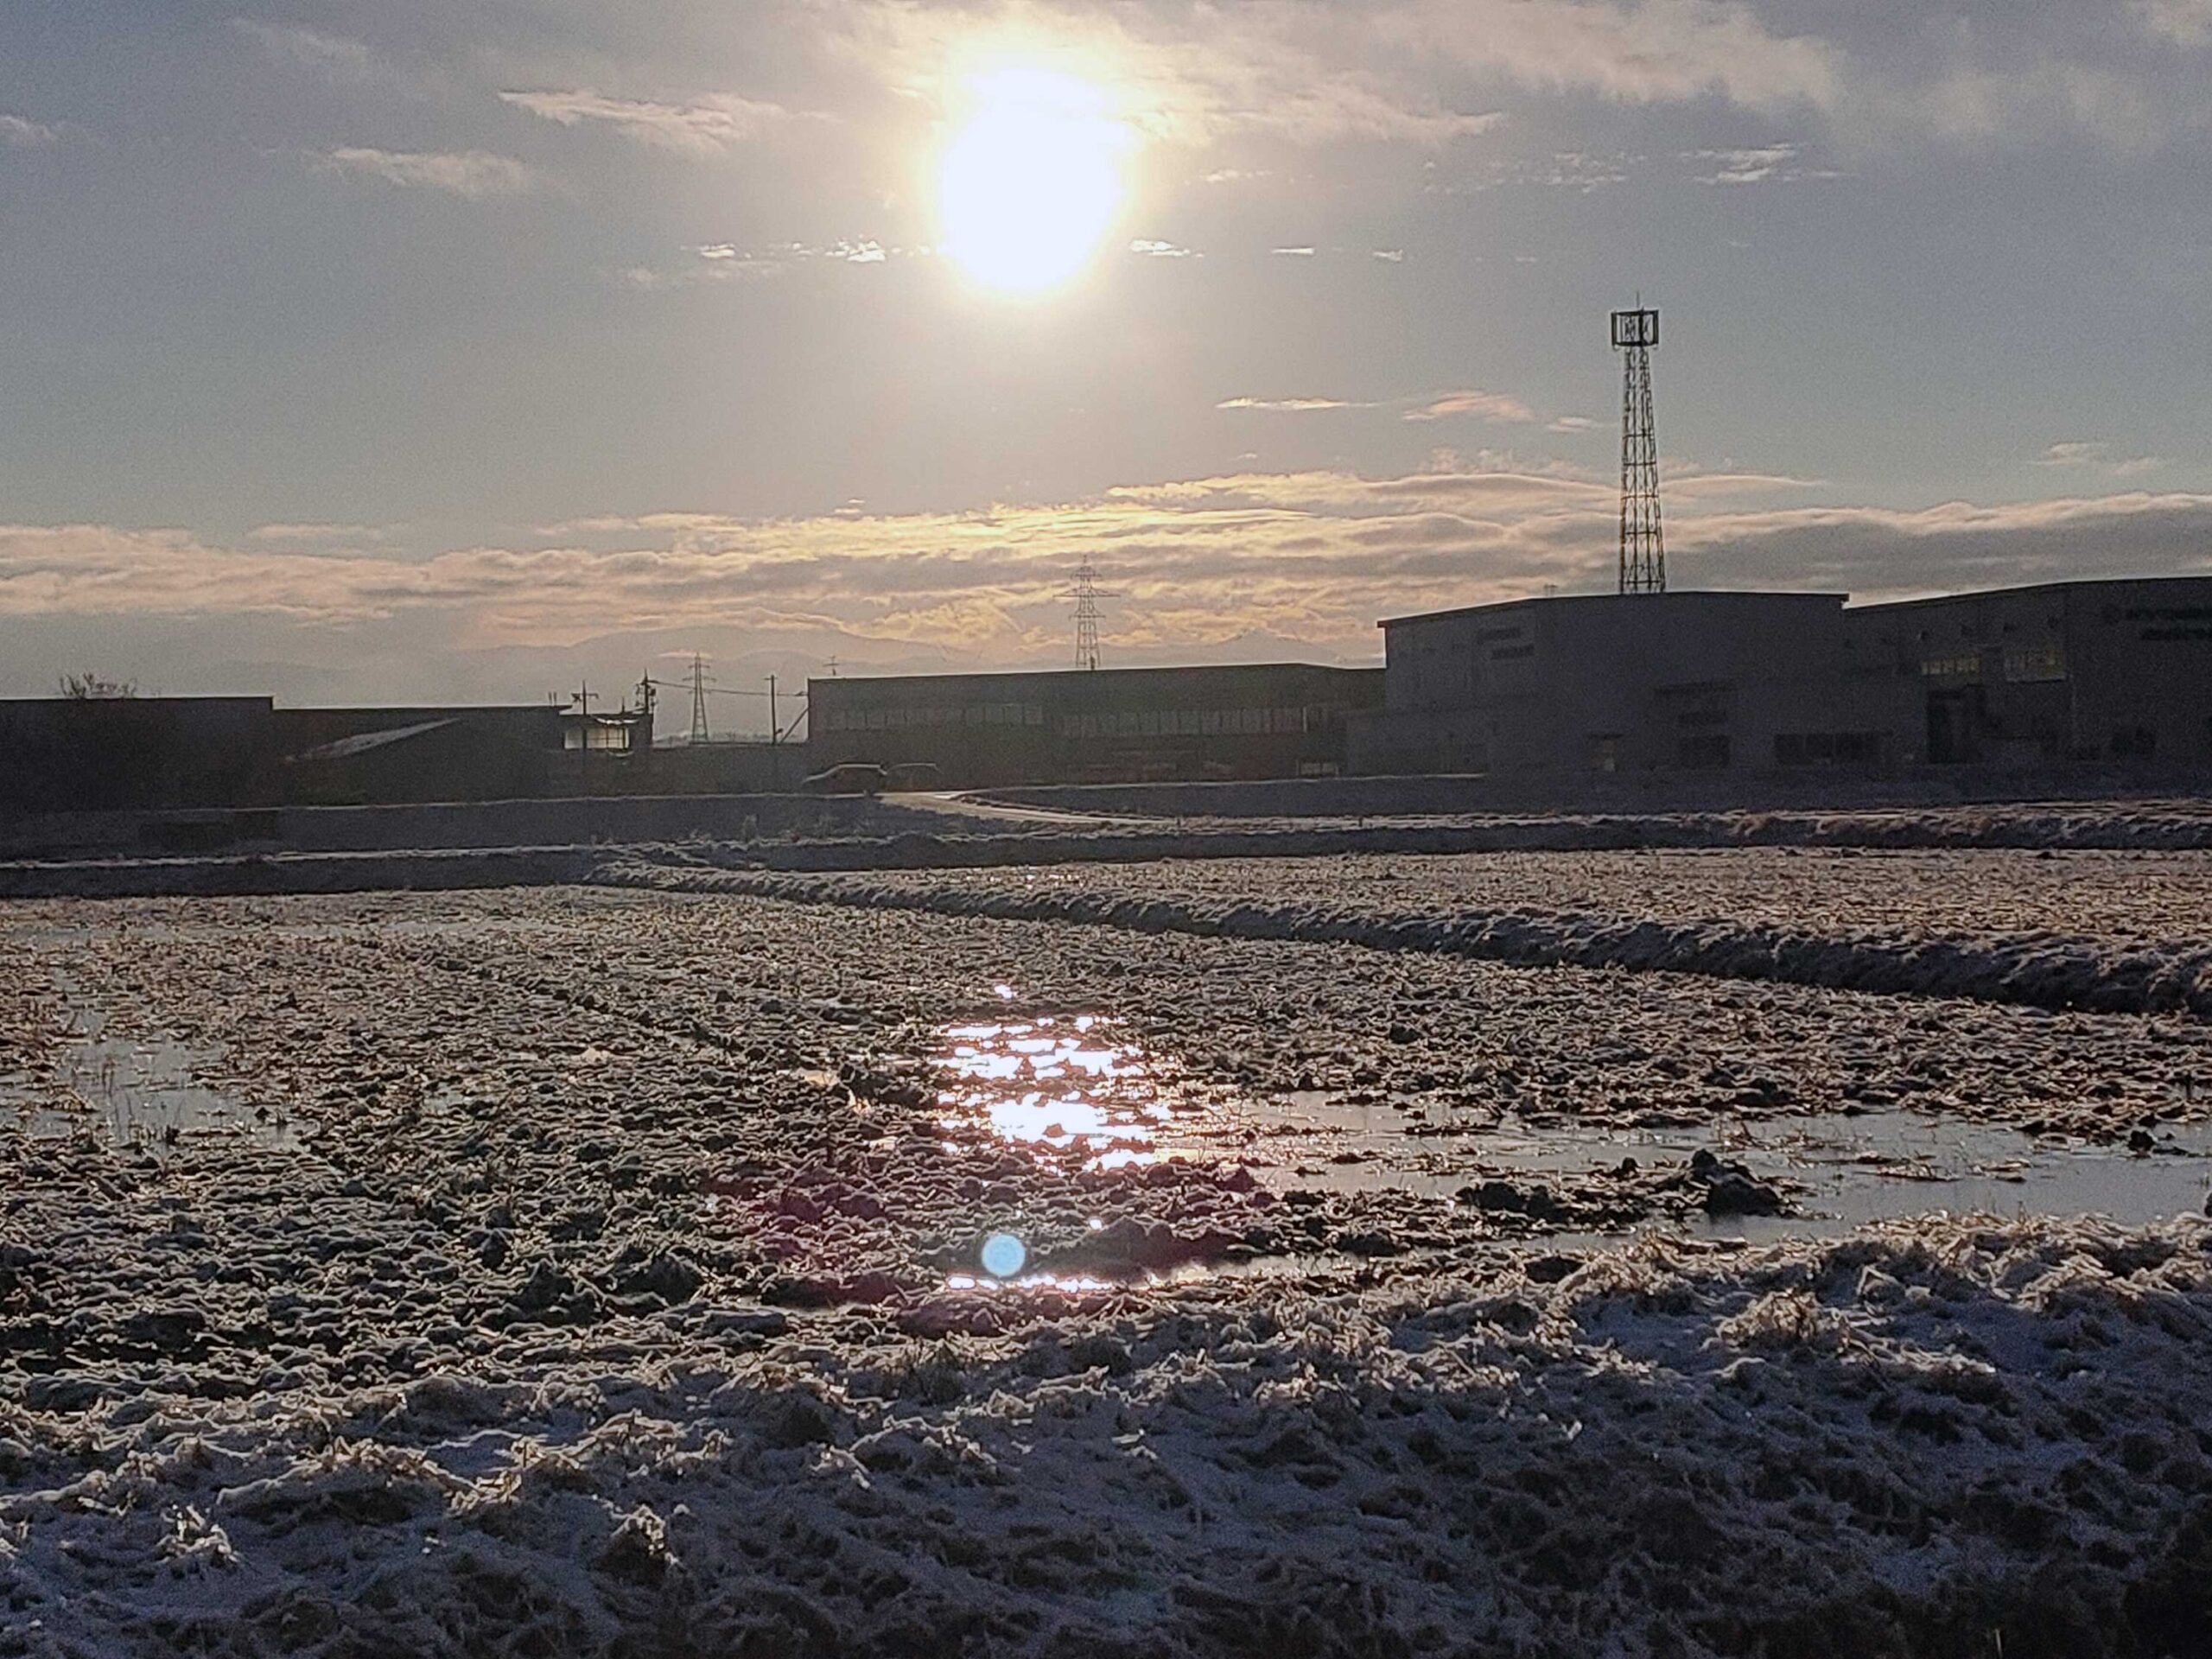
pixel 954 804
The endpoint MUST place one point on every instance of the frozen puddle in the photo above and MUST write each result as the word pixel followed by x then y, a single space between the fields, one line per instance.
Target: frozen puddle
pixel 1074 1083
pixel 140 1094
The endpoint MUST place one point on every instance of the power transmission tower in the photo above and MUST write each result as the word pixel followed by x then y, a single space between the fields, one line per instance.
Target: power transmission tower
pixel 699 733
pixel 1088 593
pixel 1643 551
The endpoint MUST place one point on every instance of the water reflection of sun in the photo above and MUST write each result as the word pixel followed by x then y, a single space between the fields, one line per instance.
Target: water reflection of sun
pixel 1028 188
pixel 1061 1084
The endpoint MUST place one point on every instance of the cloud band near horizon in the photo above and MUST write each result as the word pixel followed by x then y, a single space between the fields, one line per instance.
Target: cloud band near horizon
pixel 1313 558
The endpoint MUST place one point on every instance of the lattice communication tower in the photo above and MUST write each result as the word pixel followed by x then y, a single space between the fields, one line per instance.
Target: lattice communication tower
pixel 1643 550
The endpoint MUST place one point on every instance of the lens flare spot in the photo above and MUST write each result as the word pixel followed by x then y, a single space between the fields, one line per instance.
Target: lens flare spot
pixel 1004 1256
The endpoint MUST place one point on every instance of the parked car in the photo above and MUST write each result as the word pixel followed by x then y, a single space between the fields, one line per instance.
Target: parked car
pixel 853 778
pixel 915 775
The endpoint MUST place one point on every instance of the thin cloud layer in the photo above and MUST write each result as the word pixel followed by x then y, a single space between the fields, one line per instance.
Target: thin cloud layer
pixel 472 173
pixel 21 132
pixel 705 129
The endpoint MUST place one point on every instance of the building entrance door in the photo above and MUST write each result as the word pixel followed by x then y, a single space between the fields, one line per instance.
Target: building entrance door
pixel 1955 723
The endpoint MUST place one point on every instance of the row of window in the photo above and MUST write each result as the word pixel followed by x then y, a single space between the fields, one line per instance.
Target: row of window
pixel 898 720
pixel 1194 722
pixel 2021 667
pixel 1124 722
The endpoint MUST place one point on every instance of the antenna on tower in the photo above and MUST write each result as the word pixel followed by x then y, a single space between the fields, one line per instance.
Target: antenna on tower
pixel 1643 551
pixel 1088 593
pixel 699 733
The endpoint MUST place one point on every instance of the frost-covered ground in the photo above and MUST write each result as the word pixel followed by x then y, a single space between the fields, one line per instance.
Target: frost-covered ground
pixel 595 1270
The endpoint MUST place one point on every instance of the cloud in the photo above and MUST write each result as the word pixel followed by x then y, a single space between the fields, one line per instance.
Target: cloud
pixel 1312 557
pixel 1763 164
pixel 1875 554
pixel 20 132
pixel 314 534
pixel 1157 249
pixel 1390 71
pixel 2096 456
pixel 332 54
pixel 705 129
pixel 1433 72
pixel 1290 405
pixel 1572 424
pixel 1494 406
pixel 2184 22
pixel 473 173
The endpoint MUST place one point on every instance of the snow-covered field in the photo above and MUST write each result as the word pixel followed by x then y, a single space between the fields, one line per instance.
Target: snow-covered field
pixel 599 1269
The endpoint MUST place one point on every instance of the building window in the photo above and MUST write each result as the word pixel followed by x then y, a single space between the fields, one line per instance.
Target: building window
pixel 1705 750
pixel 1952 668
pixel 2035 663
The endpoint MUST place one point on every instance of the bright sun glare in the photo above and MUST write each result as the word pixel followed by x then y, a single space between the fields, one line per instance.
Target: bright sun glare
pixel 1029 187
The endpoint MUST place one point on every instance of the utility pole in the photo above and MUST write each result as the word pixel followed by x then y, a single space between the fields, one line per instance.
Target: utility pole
pixel 775 739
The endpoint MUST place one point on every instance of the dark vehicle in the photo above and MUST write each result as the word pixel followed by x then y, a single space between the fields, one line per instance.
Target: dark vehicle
pixel 915 775
pixel 853 778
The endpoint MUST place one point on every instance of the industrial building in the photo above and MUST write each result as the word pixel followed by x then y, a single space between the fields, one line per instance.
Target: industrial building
pixel 1277 719
pixel 2082 672
pixel 98 753
pixel 59 754
pixel 1618 682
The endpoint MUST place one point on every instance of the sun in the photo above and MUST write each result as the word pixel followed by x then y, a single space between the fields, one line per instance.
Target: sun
pixel 1028 188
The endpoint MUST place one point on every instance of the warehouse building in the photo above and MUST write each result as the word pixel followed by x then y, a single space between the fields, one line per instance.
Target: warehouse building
pixel 1283 720
pixel 2080 671
pixel 2066 673
pixel 1627 682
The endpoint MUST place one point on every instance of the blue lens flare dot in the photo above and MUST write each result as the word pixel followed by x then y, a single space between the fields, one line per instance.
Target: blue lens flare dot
pixel 1003 1255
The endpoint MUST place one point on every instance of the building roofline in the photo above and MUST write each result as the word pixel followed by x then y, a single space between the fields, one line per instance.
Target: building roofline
pixel 1613 599
pixel 1100 673
pixel 2065 584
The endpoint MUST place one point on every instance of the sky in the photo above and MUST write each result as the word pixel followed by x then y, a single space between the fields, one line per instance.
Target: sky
pixel 414 350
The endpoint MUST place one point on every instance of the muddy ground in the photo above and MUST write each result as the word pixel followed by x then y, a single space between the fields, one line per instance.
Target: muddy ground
pixel 586 1270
